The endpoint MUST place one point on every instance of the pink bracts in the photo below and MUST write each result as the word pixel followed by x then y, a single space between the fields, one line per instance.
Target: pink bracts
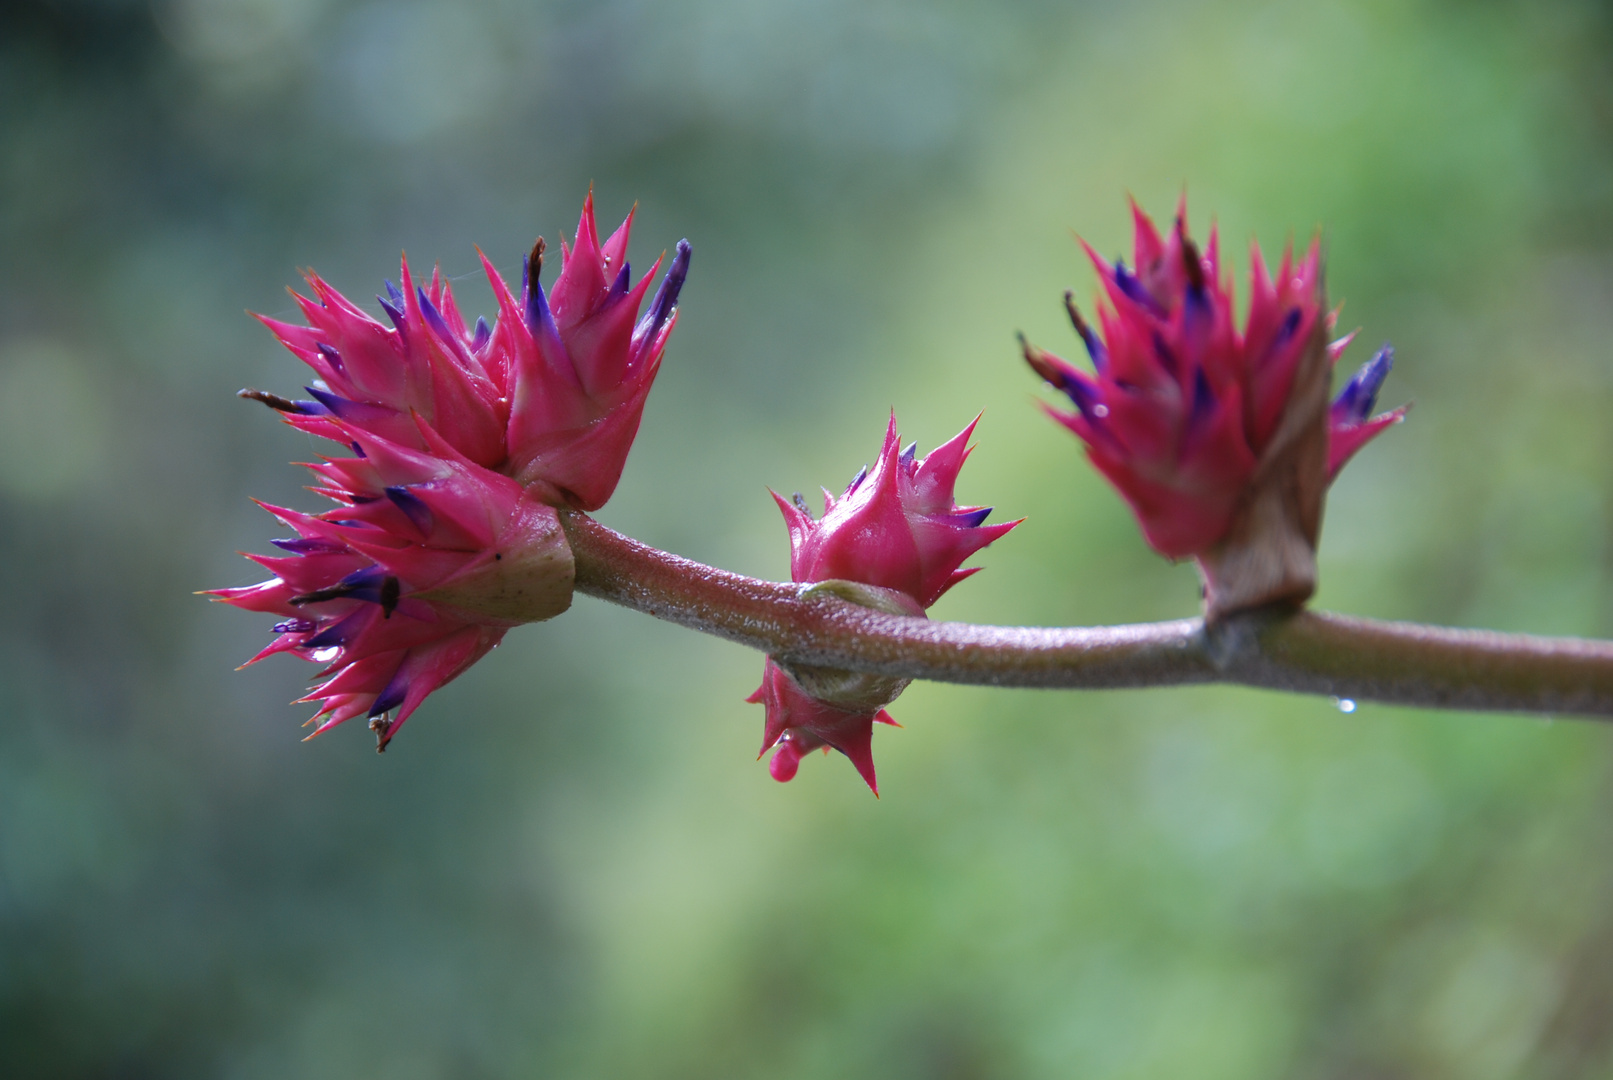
pixel 896 531
pixel 1193 419
pixel 464 442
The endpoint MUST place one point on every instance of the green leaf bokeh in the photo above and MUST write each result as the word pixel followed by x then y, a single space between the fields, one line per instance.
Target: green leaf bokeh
pixel 570 864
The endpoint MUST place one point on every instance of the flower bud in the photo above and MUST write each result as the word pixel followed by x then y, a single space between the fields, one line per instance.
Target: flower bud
pixel 1221 439
pixel 417 574
pixel 446 534
pixel 892 541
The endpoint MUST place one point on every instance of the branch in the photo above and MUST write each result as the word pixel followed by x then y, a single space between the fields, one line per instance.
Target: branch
pixel 1280 649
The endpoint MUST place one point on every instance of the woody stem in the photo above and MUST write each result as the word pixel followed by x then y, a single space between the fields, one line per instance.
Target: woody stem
pixel 1306 652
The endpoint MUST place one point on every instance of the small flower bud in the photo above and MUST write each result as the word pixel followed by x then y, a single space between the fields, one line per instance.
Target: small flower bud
pixel 892 541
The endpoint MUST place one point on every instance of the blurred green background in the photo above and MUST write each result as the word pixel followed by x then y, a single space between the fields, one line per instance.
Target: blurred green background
pixel 570 864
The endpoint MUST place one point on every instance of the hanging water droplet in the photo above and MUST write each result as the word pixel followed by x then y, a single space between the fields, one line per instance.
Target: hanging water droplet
pixel 1100 411
pixel 1344 705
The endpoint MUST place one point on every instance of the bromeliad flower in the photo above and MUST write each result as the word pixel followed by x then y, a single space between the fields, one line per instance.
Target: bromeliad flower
pixel 420 570
pixel 894 540
pixel 446 533
pixel 551 395
pixel 1221 440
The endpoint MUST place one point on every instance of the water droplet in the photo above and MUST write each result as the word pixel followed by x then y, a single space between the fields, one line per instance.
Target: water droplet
pixel 1344 705
pixel 1100 411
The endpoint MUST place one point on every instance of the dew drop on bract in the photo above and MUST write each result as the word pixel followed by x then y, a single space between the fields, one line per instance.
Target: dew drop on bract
pixel 1344 705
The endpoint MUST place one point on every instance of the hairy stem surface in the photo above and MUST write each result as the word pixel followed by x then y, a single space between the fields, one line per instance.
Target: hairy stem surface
pixel 1278 648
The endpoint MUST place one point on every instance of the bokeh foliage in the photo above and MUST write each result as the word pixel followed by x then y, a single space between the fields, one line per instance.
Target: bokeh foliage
pixel 569 864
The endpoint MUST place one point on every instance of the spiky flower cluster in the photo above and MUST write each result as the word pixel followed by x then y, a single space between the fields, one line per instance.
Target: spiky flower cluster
pixel 445 533
pixel 897 530
pixel 1204 428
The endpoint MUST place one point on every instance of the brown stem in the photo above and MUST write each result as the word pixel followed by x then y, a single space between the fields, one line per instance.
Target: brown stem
pixel 1278 648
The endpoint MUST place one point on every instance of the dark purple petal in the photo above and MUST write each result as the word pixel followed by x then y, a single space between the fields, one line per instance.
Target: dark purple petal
pixel 309 545
pixel 666 297
pixel 363 584
pixel 394 312
pixel 1286 331
pixel 341 631
pixel 434 319
pixel 971 518
pixel 397 689
pixel 1356 401
pixel 483 335
pixel 1094 344
pixel 539 320
pixel 1197 314
pixel 332 357
pixel 1128 284
pixel 280 404
pixel 416 511
pixel 347 409
pixel 911 453
pixel 619 287
pixel 856 481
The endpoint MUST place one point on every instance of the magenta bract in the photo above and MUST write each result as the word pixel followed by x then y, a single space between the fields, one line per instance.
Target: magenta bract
pixel 465 441
pixel 895 527
pixel 405 584
pixel 551 395
pixel 1182 405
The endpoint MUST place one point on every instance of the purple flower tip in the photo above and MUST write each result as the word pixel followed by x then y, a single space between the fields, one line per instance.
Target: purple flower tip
pixel 1356 401
pixel 305 545
pixel 325 401
pixel 1128 284
pixel 415 510
pixel 666 297
pixel 856 481
pixel 433 317
pixel 394 312
pixel 332 357
pixel 390 698
pixel 539 319
pixel 339 632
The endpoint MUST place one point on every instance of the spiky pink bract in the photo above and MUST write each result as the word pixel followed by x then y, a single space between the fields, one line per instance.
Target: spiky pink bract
pixel 420 570
pixel 551 395
pixel 466 440
pixel 897 528
pixel 1183 409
